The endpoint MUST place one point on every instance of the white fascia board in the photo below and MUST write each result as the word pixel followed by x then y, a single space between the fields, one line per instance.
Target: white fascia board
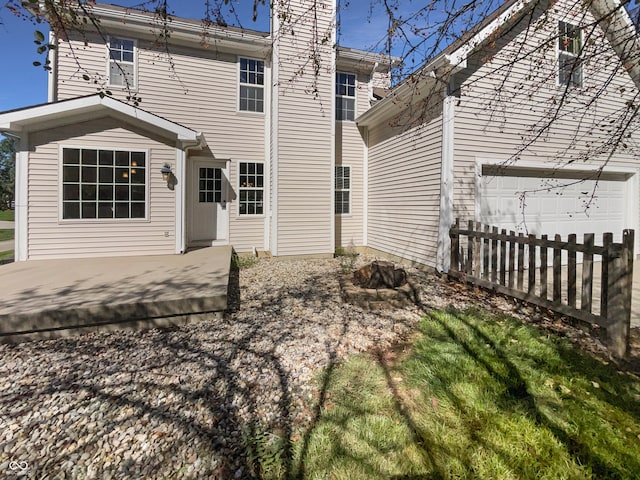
pixel 460 55
pixel 142 24
pixel 445 63
pixel 17 121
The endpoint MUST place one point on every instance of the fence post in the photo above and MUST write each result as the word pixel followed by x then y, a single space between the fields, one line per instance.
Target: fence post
pixel 486 267
pixel 607 240
pixel 619 301
pixel 503 258
pixel 587 273
pixel 454 234
pixel 531 284
pixel 476 250
pixel 543 269
pixel 494 255
pixel 471 239
pixel 512 259
pixel 557 271
pixel 520 260
pixel 571 270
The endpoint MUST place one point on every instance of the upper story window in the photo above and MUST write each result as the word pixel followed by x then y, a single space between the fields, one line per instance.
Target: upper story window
pixel 122 62
pixel 345 96
pixel 103 184
pixel 569 46
pixel 251 85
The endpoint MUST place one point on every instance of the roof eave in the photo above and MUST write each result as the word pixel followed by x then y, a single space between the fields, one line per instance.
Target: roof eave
pixel 20 120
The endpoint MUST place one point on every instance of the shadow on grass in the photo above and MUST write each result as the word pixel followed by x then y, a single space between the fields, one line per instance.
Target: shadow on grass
pixel 480 396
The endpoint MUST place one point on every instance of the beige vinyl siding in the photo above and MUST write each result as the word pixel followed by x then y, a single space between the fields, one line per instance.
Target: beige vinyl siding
pixel 404 187
pixel 201 92
pixel 499 110
pixel 50 238
pixel 304 123
pixel 381 80
pixel 350 151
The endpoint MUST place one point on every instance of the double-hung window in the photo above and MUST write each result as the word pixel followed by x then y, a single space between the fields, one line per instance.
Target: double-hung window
pixel 122 62
pixel 569 46
pixel 251 85
pixel 103 184
pixel 345 96
pixel 343 190
pixel 251 188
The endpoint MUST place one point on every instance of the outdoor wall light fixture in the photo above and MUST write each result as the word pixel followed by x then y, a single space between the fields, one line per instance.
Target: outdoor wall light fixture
pixel 166 172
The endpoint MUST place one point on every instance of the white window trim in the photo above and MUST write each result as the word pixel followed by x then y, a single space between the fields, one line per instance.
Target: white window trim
pixel 134 85
pixel 85 221
pixel 345 215
pixel 559 52
pixel 263 86
pixel 239 215
pixel 355 95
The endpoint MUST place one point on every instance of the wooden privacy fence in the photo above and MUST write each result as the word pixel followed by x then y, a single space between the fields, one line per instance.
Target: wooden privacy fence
pixel 518 266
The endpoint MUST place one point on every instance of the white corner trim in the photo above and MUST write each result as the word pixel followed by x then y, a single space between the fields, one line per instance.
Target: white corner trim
pixel 180 202
pixel 273 150
pixel 332 209
pixel 365 187
pixel 267 158
pixel 52 74
pixel 22 200
pixel 446 184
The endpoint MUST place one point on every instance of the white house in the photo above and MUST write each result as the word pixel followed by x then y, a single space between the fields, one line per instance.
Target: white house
pixel 275 142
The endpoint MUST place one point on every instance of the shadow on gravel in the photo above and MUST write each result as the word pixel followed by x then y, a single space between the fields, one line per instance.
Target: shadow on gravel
pixel 214 399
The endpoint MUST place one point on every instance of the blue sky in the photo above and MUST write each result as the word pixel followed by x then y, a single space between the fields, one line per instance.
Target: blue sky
pixel 22 84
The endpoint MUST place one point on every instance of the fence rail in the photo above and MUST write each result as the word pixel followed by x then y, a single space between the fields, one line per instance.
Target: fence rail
pixel 501 261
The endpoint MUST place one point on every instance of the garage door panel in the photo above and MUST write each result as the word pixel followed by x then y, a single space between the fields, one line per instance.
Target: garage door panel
pixel 585 207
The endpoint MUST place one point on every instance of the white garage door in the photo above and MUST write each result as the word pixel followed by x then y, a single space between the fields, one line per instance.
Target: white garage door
pixel 579 207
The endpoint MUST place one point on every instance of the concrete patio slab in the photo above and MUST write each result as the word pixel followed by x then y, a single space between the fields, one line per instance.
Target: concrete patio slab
pixel 51 298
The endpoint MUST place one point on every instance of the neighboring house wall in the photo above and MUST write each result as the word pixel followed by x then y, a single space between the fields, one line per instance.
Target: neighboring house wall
pixel 502 103
pixel 404 183
pixel 49 237
pixel 201 92
pixel 350 151
pixel 304 123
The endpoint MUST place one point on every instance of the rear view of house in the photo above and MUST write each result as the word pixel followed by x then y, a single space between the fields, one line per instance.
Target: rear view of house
pixel 207 140
pixel 273 141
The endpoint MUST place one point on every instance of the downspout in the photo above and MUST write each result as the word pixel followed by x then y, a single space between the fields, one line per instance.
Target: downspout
pixel 446 181
pixel 52 77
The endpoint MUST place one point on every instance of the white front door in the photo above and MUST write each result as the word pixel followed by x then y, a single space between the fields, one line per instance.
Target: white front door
pixel 209 219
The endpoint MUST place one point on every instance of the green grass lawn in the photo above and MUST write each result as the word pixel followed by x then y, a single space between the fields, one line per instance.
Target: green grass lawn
pixel 475 396
pixel 6 234
pixel 6 255
pixel 7 215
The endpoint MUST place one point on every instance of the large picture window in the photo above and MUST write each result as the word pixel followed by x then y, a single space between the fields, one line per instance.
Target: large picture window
pixel 251 85
pixel 345 96
pixel 251 189
pixel 569 46
pixel 121 62
pixel 103 184
pixel 343 190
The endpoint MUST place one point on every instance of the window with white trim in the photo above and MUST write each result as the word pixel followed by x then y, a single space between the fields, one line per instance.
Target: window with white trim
pixel 251 85
pixel 569 46
pixel 103 184
pixel 343 190
pixel 251 189
pixel 122 62
pixel 345 96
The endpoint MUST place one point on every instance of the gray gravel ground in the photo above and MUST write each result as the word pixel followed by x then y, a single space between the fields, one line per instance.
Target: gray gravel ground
pixel 181 403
